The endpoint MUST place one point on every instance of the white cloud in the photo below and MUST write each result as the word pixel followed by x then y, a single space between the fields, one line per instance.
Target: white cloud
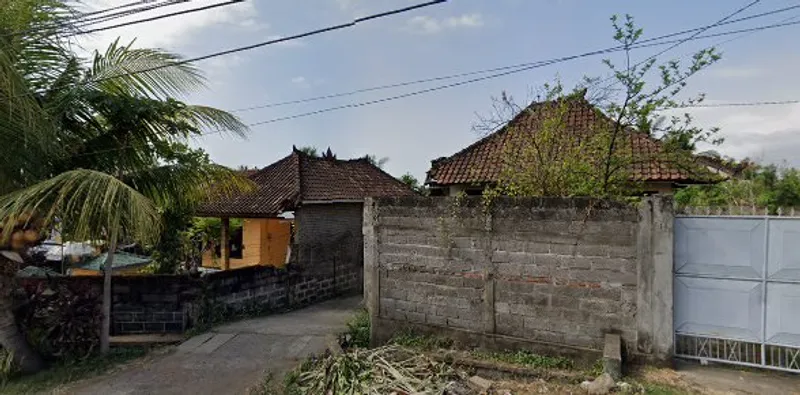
pixel 429 25
pixel 172 31
pixel 299 80
pixel 770 133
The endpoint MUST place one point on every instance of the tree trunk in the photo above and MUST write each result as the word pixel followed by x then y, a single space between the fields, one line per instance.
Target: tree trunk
pixel 25 358
pixel 108 268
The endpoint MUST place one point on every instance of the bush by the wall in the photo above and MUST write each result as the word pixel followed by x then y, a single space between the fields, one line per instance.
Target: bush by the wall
pixel 61 319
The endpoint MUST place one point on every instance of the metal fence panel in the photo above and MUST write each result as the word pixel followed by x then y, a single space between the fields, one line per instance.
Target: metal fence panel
pixel 720 247
pixel 784 250
pixel 729 309
pixel 737 290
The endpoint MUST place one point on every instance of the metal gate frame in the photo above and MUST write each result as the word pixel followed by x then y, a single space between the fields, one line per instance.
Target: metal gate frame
pixel 762 354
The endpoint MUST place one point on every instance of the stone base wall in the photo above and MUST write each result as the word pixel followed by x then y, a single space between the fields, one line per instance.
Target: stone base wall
pixel 173 303
pixel 556 274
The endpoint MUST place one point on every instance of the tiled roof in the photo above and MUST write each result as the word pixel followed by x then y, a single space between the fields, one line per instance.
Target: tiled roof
pixel 482 161
pixel 285 184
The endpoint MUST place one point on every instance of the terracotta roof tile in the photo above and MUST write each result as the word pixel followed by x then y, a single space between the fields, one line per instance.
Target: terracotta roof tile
pixel 481 162
pixel 285 184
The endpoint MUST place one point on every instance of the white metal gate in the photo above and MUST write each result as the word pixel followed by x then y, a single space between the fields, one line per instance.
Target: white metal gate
pixel 737 290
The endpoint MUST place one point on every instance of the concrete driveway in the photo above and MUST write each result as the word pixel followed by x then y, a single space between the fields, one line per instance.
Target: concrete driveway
pixel 231 358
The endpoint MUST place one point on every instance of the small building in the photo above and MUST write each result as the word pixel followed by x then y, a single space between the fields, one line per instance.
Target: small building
pixel 480 165
pixel 304 208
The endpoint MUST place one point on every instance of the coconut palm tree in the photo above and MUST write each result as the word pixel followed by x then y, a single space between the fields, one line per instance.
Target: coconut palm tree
pixel 99 144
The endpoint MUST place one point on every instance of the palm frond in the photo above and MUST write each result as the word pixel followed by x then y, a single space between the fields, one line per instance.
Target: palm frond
pixel 186 185
pixel 26 133
pixel 88 203
pixel 136 71
pixel 214 120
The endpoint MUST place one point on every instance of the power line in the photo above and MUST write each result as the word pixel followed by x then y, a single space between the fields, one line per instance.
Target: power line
pixel 82 17
pixel 264 43
pixel 466 82
pixel 731 21
pixel 702 30
pixel 693 36
pixel 521 67
pixel 496 75
pixel 119 7
pixel 149 7
pixel 715 105
pixel 740 104
pixel 157 17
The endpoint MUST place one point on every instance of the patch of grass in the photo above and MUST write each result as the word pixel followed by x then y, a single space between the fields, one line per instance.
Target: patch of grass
pixel 526 358
pixel 421 342
pixel 71 371
pixel 357 334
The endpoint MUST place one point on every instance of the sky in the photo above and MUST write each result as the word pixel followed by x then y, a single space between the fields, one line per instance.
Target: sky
pixel 455 37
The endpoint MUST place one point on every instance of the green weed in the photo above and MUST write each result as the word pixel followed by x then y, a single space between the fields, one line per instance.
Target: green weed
pixel 526 358
pixel 421 342
pixel 357 334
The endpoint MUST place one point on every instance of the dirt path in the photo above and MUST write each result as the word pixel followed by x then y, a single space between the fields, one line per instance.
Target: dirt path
pixel 231 358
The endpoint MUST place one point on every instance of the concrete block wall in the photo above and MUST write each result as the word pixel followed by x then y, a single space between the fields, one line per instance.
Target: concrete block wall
pixel 151 304
pixel 173 303
pixel 527 273
pixel 329 244
pixel 326 223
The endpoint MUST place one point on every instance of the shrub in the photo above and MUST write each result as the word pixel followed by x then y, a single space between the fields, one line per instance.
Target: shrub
pixel 357 334
pixel 62 319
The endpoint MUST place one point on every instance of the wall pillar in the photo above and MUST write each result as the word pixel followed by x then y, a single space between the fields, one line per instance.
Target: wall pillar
pixel 654 292
pixel 226 243
pixel 371 265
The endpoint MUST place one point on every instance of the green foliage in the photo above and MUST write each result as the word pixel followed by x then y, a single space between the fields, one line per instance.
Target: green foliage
pixel 414 184
pixel 66 372
pixel 559 161
pixel 309 150
pixel 767 187
pixel 527 359
pixel 94 202
pixel 100 142
pixel 358 331
pixel 60 319
pixel 174 247
pixel 596 369
pixel 421 342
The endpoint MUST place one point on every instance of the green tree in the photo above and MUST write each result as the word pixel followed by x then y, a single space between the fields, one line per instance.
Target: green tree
pixel 309 150
pixel 763 187
pixel 413 183
pixel 558 161
pixel 99 145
